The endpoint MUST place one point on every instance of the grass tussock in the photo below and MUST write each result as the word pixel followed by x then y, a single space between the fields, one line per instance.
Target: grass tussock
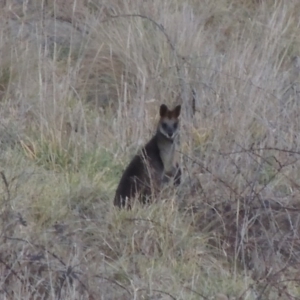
pixel 80 87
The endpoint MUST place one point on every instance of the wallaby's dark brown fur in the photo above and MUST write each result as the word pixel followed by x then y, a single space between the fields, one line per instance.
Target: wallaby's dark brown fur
pixel 154 164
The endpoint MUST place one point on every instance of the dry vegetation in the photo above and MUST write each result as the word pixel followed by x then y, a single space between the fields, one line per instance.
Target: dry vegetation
pixel 80 85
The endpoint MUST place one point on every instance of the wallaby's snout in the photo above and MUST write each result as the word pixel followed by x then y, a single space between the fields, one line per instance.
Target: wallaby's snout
pixel 169 129
pixel 170 132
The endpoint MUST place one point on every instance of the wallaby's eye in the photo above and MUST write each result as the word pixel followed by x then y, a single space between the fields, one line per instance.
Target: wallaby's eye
pixel 164 126
pixel 175 125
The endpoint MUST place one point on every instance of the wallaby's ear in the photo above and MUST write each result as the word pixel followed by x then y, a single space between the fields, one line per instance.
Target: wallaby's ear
pixel 163 110
pixel 176 111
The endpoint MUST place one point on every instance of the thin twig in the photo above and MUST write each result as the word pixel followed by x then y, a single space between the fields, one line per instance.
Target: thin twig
pixel 6 184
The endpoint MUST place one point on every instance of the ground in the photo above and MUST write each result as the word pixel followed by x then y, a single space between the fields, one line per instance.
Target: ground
pixel 81 83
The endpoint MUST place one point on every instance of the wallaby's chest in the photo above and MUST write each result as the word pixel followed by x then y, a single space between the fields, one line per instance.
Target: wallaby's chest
pixel 167 150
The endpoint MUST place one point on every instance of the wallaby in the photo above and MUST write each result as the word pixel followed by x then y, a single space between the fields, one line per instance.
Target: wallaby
pixel 154 164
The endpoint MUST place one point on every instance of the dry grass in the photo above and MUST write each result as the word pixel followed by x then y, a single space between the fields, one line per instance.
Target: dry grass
pixel 80 86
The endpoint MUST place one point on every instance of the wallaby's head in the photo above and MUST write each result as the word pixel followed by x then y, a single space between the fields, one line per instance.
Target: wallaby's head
pixel 169 123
